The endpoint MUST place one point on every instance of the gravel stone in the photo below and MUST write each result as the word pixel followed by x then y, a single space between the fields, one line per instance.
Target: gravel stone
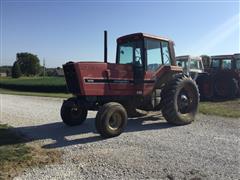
pixel 149 148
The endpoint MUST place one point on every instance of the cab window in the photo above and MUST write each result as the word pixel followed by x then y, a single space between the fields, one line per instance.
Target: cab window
pixel 195 64
pixel 226 63
pixel 130 52
pixel 165 51
pixel 238 64
pixel 215 63
pixel 182 63
pixel 154 54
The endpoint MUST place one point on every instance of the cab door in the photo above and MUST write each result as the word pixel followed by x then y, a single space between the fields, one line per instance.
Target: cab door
pixel 128 72
pixel 138 68
pixel 157 56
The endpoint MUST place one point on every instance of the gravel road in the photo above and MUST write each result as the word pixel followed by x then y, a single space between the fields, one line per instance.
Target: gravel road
pixel 150 148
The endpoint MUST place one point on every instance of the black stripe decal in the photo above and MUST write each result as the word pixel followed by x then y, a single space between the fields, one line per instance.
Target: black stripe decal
pixel 114 81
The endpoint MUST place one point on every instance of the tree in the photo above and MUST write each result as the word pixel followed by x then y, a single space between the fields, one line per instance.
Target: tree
pixel 16 71
pixel 29 63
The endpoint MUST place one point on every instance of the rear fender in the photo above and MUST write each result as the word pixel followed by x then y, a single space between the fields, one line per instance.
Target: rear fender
pixel 165 74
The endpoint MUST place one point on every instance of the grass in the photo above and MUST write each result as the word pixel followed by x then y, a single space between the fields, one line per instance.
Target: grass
pixel 58 81
pixel 34 84
pixel 16 155
pixel 225 108
pixel 41 94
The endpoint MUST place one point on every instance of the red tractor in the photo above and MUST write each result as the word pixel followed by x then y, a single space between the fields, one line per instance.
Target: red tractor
pixel 222 77
pixel 145 76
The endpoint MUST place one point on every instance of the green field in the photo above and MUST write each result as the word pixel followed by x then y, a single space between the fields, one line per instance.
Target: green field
pixel 35 84
pixel 40 94
pixel 34 81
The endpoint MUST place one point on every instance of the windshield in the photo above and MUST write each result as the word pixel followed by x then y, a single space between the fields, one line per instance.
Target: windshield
pixel 157 53
pixel 130 52
pixel 182 63
pixel 195 64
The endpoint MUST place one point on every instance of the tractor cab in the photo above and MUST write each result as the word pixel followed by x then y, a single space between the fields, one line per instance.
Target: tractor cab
pixel 145 53
pixel 222 62
pixel 191 65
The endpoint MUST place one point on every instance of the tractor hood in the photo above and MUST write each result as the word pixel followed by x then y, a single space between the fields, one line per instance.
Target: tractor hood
pixel 88 78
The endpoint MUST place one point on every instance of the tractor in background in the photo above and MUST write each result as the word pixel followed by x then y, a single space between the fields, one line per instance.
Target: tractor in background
pixel 192 65
pixel 222 77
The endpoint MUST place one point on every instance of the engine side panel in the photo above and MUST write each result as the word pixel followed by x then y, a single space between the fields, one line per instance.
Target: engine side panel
pixel 100 79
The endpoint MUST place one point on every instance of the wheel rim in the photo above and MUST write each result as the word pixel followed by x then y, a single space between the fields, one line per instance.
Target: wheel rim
pixel 185 100
pixel 115 121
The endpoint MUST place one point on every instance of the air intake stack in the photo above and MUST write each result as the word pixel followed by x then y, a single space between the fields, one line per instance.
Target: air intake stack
pixel 105 46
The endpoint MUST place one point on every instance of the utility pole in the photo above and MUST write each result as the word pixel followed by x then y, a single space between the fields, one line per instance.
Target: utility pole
pixel 43 67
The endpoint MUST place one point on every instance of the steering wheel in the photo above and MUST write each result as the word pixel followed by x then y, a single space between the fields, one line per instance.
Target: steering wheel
pixel 138 58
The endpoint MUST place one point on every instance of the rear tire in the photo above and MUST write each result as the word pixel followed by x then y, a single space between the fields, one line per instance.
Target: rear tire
pixel 180 98
pixel 111 120
pixel 72 114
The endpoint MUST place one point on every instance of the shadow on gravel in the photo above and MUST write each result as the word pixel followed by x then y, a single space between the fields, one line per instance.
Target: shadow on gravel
pixel 86 133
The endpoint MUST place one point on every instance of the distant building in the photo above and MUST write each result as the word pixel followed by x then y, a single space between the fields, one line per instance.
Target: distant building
pixel 59 72
pixel 3 74
pixel 5 71
pixel 55 72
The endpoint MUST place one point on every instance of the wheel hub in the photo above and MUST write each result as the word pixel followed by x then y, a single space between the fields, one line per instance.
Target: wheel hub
pixel 75 112
pixel 115 121
pixel 183 102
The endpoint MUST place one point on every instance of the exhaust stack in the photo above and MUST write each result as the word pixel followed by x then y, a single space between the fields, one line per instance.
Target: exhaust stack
pixel 105 46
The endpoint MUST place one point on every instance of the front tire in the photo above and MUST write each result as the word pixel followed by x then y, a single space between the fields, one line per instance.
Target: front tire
pixel 72 114
pixel 180 98
pixel 111 120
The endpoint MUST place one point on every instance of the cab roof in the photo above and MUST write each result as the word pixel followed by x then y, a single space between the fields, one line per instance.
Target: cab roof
pixel 222 57
pixel 141 35
pixel 188 56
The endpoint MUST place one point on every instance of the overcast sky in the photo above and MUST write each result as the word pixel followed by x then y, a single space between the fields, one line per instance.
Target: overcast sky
pixel 61 31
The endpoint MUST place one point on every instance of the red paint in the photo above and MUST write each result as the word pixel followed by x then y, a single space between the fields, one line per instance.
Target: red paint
pixel 99 70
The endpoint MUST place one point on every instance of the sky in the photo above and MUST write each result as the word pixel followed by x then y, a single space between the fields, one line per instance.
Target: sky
pixel 61 31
